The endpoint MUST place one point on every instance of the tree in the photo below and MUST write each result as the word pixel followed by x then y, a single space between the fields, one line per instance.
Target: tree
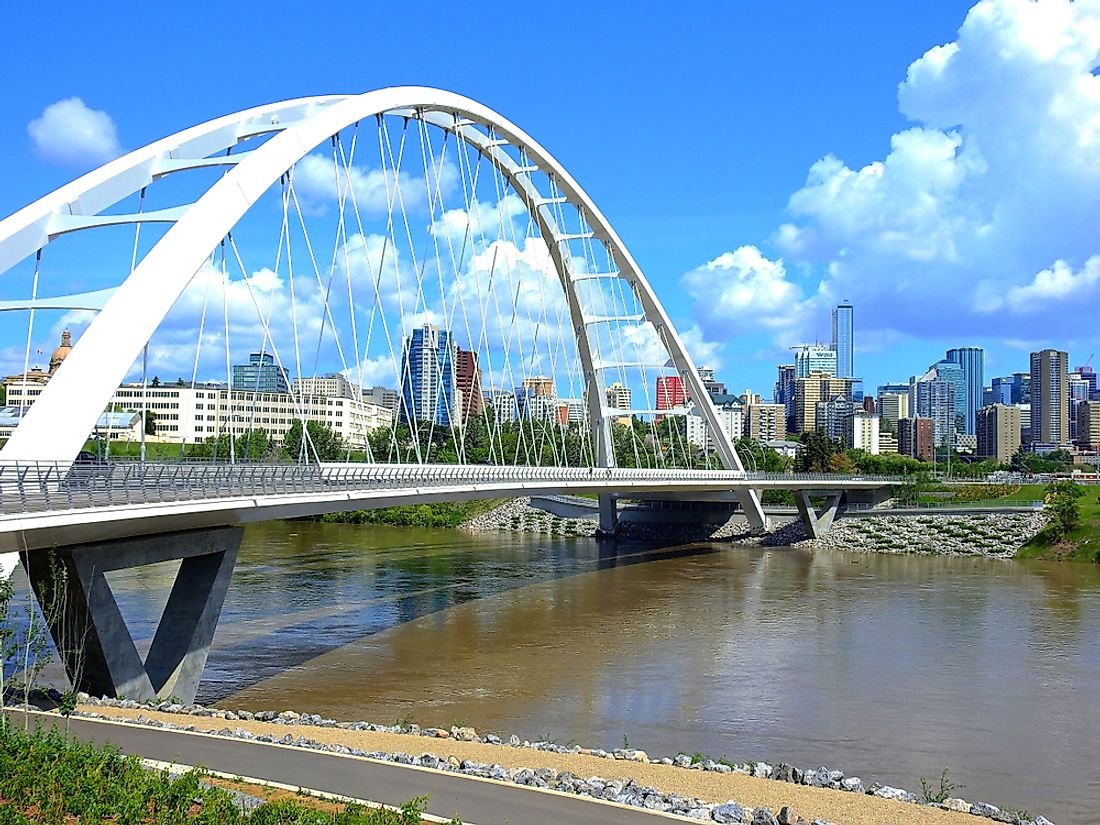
pixel 155 382
pixel 1052 462
pixel 323 443
pixel 1062 509
pixel 765 459
pixel 840 463
pixel 150 422
pixel 816 453
pixel 252 445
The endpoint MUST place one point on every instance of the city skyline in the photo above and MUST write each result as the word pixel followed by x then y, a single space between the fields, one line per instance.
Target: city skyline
pixel 772 262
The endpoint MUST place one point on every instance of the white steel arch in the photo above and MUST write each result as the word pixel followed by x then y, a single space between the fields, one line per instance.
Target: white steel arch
pixel 57 425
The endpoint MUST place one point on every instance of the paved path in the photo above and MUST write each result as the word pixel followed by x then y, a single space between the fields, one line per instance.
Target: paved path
pixel 472 800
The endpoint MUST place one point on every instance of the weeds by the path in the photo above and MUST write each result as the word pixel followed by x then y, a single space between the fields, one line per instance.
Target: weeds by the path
pixel 45 777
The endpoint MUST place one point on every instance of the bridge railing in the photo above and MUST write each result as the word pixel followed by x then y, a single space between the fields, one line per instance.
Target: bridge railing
pixel 54 486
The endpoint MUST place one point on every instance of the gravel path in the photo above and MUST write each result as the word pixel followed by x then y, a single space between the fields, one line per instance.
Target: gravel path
pixel 808 802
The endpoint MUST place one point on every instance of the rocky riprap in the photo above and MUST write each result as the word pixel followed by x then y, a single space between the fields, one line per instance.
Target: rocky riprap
pixel 624 791
pixel 979 534
pixel 998 535
pixel 518 516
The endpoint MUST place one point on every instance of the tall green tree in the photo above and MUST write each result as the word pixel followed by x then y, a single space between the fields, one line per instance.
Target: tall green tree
pixel 323 443
pixel 816 453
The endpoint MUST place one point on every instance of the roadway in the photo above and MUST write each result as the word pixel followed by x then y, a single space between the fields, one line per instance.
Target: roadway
pixel 473 800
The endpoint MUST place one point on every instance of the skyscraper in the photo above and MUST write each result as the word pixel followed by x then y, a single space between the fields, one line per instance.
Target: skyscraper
pixel 998 432
pixel 468 382
pixel 428 376
pixel 784 392
pixel 1021 388
pixel 972 361
pixel 1088 375
pixel 842 339
pixel 809 391
pixel 811 358
pixel 1050 397
pixel 670 393
pixel 916 438
pixel 1002 390
pixel 947 370
pixel 933 397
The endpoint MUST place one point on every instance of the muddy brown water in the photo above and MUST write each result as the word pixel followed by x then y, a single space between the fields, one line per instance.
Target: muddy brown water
pixel 887 667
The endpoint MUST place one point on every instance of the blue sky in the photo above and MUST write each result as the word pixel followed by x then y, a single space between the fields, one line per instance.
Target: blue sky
pixel 759 160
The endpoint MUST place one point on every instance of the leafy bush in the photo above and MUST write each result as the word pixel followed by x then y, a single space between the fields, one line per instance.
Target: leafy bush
pixel 1062 509
pixel 439 514
pixel 45 777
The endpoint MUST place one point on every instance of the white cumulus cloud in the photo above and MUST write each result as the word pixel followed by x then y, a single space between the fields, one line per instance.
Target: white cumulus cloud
pixel 743 289
pixel 71 133
pixel 958 224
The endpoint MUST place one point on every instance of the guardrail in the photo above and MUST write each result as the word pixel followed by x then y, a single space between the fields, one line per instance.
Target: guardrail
pixel 50 486
pixel 1008 504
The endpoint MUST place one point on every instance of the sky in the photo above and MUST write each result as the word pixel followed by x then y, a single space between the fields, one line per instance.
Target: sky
pixel 936 164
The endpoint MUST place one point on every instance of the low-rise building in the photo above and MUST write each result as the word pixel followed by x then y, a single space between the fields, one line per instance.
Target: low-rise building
pixel 787 449
pixel 193 415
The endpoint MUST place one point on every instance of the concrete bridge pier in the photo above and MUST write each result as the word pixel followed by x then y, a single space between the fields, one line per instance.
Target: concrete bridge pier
pixel 609 515
pixel 817 522
pixel 90 633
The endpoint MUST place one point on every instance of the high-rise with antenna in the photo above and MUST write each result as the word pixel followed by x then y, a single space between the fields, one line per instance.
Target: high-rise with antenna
pixel 842 339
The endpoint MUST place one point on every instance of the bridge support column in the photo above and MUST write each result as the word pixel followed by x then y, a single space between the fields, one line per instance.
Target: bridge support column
pixel 817 522
pixel 90 633
pixel 609 515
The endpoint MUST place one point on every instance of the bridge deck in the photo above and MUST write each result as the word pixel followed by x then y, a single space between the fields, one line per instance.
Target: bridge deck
pixel 44 504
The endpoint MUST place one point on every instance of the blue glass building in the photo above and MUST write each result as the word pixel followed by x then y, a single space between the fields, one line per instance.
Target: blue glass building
pixel 1002 390
pixel 953 373
pixel 843 317
pixel 428 376
pixel 260 374
pixel 972 361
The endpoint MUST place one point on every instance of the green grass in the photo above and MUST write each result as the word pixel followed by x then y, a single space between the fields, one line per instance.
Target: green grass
pixel 132 449
pixel 438 514
pixel 45 777
pixel 1027 492
pixel 1082 543
pixel 976 495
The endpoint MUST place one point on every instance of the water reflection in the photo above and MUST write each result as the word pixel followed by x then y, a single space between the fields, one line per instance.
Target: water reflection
pixel 890 666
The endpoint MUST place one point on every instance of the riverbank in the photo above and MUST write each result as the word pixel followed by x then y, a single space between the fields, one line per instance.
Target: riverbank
pixel 1081 544
pixel 693 786
pixel 998 535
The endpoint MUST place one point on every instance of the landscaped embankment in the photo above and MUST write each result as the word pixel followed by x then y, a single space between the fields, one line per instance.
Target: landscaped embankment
pixel 752 793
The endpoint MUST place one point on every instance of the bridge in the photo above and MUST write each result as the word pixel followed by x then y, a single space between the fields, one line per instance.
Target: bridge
pixel 280 260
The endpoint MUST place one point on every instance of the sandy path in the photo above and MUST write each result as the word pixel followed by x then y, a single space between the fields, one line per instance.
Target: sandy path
pixel 839 807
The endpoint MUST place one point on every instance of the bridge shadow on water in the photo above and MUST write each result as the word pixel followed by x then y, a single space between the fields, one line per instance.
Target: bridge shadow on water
pixel 304 589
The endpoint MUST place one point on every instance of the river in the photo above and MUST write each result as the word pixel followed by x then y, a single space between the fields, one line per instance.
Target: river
pixel 887 667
